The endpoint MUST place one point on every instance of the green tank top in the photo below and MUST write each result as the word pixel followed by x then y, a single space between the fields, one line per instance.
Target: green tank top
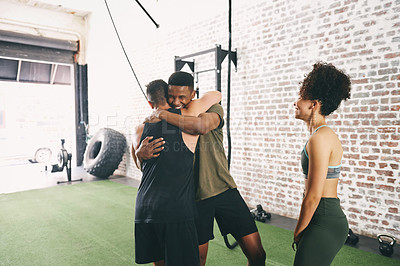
pixel 211 172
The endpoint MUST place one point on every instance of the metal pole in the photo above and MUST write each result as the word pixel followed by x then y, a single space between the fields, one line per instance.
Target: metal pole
pixel 228 108
pixel 218 54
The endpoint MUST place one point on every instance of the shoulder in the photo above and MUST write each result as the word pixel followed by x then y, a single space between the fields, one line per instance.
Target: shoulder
pixel 323 138
pixel 218 112
pixel 216 108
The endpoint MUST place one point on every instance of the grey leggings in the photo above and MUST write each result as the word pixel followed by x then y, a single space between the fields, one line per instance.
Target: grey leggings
pixel 324 236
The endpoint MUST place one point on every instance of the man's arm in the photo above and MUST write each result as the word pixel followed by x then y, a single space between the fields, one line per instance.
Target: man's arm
pixel 145 150
pixel 198 106
pixel 137 133
pixel 194 120
pixel 193 125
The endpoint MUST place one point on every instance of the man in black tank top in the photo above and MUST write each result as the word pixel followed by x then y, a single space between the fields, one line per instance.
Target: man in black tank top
pixel 165 205
pixel 216 193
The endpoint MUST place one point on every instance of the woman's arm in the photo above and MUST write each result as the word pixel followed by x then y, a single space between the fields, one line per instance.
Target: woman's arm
pixel 318 153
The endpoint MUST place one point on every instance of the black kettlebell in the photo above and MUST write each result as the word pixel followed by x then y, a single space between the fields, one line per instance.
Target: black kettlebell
pixel 386 247
pixel 260 215
pixel 352 239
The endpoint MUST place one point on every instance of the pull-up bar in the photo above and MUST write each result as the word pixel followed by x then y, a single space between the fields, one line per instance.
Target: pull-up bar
pixel 220 55
pixel 196 54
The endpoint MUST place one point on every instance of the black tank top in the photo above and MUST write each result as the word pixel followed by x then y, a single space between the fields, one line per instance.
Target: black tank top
pixel 166 191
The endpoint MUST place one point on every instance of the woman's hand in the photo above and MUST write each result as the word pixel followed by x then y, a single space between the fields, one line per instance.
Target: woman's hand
pixel 296 240
pixel 296 237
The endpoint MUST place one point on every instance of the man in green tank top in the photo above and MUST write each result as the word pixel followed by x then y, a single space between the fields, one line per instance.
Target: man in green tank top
pixel 216 191
pixel 211 166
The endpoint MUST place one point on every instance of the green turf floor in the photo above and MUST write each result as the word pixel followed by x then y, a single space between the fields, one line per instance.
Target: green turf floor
pixel 92 224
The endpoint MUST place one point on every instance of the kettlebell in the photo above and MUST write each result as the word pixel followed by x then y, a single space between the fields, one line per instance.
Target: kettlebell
pixel 259 214
pixel 352 239
pixel 386 247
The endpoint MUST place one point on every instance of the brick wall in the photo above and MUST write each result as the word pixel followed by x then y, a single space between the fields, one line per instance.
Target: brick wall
pixel 277 43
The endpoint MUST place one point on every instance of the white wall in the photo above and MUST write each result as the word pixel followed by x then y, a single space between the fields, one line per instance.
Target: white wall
pixel 41 19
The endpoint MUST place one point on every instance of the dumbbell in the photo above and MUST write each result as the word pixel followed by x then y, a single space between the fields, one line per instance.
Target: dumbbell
pixel 386 247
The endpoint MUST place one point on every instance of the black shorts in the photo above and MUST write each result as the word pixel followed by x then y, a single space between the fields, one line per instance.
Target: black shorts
pixel 232 215
pixel 176 243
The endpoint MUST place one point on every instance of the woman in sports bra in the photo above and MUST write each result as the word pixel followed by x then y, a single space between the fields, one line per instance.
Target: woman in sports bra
pixel 322 226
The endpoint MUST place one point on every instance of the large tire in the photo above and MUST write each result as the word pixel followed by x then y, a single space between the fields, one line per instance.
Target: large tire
pixel 104 152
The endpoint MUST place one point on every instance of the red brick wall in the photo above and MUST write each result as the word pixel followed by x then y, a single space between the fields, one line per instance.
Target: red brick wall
pixel 277 43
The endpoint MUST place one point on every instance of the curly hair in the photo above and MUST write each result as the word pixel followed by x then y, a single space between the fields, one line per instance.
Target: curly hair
pixel 326 84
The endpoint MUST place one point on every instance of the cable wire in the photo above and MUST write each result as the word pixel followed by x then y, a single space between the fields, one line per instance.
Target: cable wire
pixel 228 130
pixel 123 49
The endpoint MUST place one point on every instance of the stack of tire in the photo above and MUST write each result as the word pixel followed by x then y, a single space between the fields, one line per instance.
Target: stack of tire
pixel 104 152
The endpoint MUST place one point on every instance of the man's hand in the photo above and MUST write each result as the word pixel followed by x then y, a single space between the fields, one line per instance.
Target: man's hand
pixel 148 150
pixel 154 117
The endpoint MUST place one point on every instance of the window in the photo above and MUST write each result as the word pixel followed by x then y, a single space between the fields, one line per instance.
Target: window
pixel 8 69
pixel 2 110
pixel 63 75
pixel 34 72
